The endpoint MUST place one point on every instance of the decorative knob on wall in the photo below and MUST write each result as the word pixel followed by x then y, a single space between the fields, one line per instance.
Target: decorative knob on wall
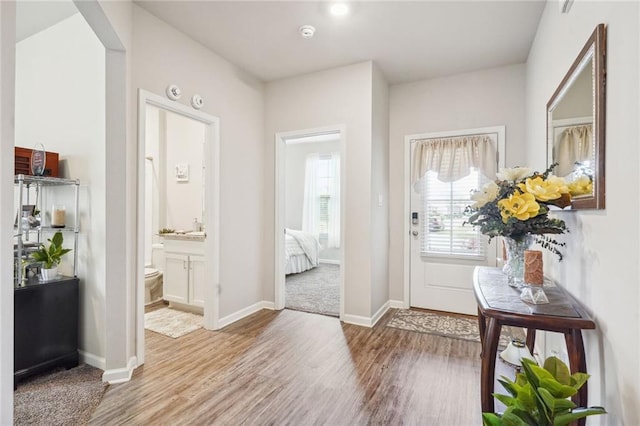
pixel 197 102
pixel 173 92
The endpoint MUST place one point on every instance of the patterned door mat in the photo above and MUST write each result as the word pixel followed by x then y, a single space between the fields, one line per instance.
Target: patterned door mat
pixel 171 322
pixel 447 326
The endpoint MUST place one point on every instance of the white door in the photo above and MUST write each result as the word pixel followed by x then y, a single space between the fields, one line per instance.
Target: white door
pixel 443 251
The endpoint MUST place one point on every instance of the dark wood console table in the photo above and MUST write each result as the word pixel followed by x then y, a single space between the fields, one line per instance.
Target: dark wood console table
pixel 499 304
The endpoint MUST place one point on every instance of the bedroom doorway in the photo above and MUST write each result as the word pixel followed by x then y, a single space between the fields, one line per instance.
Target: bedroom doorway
pixel 309 216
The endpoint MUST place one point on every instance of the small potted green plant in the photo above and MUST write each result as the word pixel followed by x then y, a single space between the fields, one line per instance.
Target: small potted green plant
pixel 539 396
pixel 50 257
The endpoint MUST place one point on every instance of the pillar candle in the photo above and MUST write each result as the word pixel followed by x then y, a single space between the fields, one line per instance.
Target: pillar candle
pixel 533 271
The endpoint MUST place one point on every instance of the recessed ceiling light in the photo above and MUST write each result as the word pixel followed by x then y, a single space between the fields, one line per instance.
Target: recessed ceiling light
pixel 339 9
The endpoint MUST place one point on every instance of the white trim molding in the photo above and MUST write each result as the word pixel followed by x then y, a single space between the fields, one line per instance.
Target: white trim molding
pixel 92 359
pixel 398 304
pixel 367 321
pixel 120 375
pixel 242 313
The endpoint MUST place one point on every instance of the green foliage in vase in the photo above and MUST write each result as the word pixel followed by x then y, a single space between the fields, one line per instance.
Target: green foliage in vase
pixel 52 255
pixel 539 397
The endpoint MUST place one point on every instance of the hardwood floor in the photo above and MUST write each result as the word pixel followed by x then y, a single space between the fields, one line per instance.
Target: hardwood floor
pixel 288 367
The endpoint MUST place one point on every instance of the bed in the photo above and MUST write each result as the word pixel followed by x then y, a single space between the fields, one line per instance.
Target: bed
pixel 301 251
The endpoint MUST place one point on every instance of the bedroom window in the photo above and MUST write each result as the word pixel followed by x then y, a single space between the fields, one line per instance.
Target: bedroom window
pixel 321 210
pixel 443 205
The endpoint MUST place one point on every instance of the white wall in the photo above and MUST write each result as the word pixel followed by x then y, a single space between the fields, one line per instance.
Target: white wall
pixel 337 96
pixel 7 89
pixel 163 55
pixel 379 191
pixel 601 258
pixel 484 98
pixel 64 108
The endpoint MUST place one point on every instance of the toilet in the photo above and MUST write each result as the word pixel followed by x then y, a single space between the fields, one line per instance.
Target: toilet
pixel 153 275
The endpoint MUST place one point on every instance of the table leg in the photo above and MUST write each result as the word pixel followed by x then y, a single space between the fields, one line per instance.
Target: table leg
pixel 577 363
pixel 488 368
pixel 482 326
pixel 531 339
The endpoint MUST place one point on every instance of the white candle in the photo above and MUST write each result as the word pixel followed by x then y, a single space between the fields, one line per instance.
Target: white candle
pixel 58 214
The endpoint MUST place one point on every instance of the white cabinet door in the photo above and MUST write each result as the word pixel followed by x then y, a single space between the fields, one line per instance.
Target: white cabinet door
pixel 196 280
pixel 176 278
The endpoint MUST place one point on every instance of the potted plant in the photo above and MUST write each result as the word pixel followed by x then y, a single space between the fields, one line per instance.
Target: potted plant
pixel 50 257
pixel 539 396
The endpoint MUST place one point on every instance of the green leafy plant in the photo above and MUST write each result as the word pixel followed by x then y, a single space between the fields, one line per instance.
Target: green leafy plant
pixel 539 396
pixel 52 255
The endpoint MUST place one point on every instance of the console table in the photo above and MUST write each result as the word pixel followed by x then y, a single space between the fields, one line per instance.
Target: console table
pixel 499 304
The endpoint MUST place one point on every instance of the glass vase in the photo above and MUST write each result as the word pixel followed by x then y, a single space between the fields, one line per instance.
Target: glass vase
pixel 514 266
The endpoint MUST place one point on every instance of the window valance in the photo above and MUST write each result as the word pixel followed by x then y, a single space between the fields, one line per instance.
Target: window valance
pixel 452 158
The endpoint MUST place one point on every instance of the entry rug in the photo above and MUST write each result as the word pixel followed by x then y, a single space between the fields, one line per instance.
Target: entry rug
pixel 171 322
pixel 447 326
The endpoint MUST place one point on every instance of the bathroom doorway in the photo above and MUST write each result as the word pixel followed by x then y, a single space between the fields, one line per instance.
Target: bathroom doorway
pixel 309 221
pixel 178 211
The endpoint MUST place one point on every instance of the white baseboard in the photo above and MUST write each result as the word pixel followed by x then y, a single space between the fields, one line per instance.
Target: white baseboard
pixel 371 321
pixel 236 316
pixel 383 310
pixel 120 375
pixel 92 359
pixel 397 304
pixel 329 261
pixel 357 320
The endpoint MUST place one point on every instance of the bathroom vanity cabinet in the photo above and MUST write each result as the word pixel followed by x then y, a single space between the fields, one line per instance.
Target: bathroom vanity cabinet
pixel 184 274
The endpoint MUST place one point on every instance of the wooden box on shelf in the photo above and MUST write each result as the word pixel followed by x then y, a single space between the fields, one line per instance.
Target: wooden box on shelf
pixel 23 162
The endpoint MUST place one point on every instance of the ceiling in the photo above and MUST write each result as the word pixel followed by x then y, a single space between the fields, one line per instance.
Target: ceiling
pixel 35 16
pixel 409 40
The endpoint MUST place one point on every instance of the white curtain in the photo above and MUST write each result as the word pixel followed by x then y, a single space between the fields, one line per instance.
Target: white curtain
pixel 309 205
pixel 334 202
pixel 575 146
pixel 452 158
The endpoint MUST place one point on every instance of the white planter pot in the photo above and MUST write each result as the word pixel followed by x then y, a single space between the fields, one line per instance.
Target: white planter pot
pixel 48 274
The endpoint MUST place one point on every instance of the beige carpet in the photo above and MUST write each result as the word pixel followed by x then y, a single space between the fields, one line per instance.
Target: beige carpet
pixel 172 322
pixel 64 397
pixel 447 325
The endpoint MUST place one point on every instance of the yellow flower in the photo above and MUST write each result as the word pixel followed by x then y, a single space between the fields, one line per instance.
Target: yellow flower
pixel 580 186
pixel 514 174
pixel 544 190
pixel 520 206
pixel 488 193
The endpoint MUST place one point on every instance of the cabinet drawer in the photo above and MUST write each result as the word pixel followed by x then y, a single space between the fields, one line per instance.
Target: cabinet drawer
pixel 184 246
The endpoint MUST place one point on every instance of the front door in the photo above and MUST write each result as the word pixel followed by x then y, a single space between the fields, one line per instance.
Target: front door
pixel 444 251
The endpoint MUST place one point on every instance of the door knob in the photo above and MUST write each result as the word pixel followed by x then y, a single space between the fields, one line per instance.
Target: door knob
pixel 414 233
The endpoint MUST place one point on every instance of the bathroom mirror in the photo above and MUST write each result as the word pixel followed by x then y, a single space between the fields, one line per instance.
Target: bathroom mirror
pixel 576 125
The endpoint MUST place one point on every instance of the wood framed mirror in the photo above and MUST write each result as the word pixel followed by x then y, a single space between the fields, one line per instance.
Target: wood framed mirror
pixel 576 125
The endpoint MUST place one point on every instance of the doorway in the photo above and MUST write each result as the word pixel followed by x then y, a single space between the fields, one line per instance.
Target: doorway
pixel 166 180
pixel 441 252
pixel 309 244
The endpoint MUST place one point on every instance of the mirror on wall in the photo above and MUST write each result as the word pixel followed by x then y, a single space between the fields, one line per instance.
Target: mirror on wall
pixel 576 125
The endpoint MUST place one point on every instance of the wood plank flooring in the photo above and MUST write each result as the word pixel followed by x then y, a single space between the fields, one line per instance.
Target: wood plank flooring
pixel 288 367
